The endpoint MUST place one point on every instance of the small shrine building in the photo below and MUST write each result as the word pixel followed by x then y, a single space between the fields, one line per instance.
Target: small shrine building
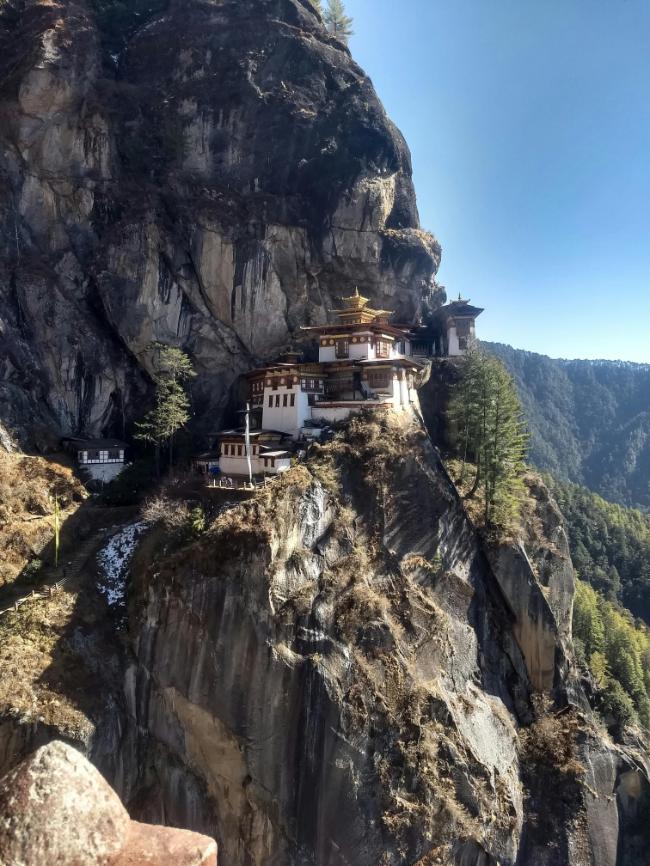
pixel 102 459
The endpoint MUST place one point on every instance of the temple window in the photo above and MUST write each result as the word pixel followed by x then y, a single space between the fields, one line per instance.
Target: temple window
pixel 378 379
pixel 342 349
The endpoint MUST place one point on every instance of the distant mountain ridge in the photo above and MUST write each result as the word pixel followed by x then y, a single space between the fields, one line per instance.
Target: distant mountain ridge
pixel 589 421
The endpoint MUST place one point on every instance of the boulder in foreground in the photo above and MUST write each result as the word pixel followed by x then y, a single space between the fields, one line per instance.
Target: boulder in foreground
pixel 55 807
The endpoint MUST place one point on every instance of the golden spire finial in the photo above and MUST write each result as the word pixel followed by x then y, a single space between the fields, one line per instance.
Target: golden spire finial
pixel 355 301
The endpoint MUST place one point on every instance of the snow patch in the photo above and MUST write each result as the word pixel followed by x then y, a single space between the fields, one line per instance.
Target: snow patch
pixel 6 441
pixel 113 561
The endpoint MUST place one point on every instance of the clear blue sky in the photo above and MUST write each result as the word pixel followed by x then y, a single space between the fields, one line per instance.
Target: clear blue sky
pixel 529 125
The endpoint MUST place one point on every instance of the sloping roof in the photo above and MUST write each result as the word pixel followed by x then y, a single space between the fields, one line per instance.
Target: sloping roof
pixel 254 434
pixel 374 327
pixel 391 362
pixel 463 309
pixel 97 444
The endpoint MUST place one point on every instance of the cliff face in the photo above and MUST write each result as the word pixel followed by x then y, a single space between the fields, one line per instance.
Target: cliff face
pixel 212 178
pixel 336 675
pixel 314 662
pixel 336 672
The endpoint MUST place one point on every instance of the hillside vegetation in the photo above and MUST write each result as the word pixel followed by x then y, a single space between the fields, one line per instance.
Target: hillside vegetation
pixel 28 487
pixel 610 545
pixel 589 421
pixel 617 652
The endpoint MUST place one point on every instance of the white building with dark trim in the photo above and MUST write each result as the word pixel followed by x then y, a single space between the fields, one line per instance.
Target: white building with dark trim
pixel 364 362
pixel 101 459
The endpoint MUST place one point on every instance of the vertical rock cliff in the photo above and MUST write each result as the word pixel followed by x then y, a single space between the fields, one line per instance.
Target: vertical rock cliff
pixel 210 175
pixel 338 671
pixel 336 674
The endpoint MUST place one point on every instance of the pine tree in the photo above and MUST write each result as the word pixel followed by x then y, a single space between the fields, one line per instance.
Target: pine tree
pixel 171 409
pixel 588 621
pixel 338 23
pixel 318 6
pixel 617 652
pixel 488 429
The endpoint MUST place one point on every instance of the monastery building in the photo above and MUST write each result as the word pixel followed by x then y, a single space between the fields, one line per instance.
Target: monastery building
pixel 364 362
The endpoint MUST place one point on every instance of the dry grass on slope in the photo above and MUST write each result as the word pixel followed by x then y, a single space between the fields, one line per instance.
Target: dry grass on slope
pixel 41 679
pixel 28 486
pixel 376 604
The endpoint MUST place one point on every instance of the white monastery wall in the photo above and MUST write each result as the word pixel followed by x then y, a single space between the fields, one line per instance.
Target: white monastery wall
pixel 238 465
pixel 288 419
pixel 453 347
pixel 326 354
pixel 405 397
pixel 361 351
pixel 356 352
pixel 333 413
pixel 103 471
pixel 235 465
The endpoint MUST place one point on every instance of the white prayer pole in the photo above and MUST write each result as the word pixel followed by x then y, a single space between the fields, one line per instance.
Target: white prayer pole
pixel 248 443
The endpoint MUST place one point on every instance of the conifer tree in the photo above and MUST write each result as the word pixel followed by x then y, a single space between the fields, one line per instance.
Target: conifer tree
pixel 486 418
pixel 171 410
pixel 318 6
pixel 338 23
pixel 616 651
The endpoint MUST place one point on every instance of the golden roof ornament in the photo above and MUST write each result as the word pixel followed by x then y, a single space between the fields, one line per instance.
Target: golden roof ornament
pixel 355 301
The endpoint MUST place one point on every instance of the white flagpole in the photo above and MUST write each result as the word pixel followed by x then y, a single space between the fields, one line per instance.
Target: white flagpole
pixel 248 443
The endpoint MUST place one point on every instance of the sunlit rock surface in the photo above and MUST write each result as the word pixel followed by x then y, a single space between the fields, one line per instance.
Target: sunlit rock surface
pixel 215 183
pixel 55 808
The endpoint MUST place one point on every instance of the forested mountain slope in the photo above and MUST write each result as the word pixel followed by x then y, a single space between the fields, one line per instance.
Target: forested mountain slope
pixel 589 421
pixel 610 545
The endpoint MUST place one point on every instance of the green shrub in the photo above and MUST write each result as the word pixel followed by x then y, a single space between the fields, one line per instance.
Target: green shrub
pixel 615 703
pixel 32 573
pixel 197 521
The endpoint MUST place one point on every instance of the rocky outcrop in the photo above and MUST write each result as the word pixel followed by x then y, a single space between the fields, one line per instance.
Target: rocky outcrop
pixel 536 575
pixel 329 667
pixel 212 178
pixel 335 673
pixel 56 808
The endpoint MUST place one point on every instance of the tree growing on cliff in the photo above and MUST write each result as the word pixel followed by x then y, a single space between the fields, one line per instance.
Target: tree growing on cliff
pixel 318 6
pixel 338 23
pixel 171 410
pixel 489 433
